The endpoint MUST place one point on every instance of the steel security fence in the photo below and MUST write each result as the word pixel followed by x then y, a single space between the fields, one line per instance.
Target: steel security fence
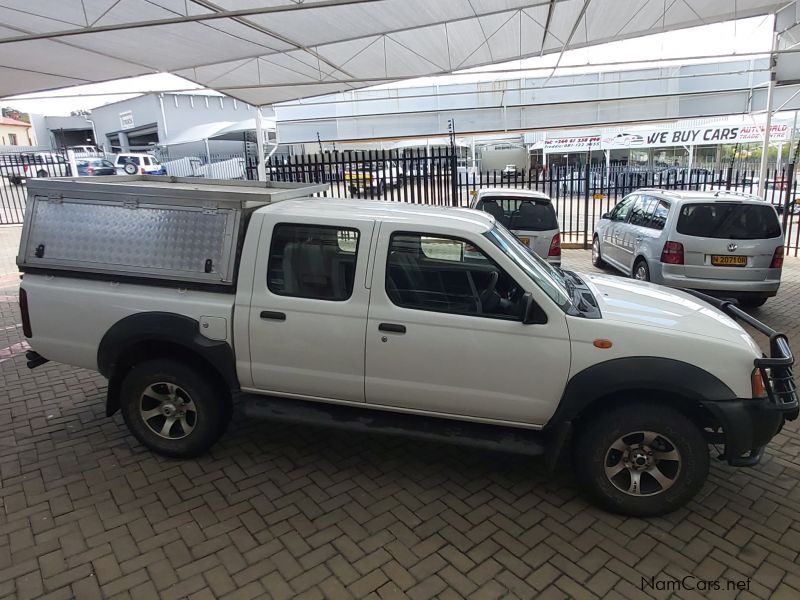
pixel 437 176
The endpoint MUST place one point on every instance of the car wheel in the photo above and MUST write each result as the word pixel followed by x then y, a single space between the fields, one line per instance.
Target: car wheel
pixel 641 271
pixel 41 173
pixel 641 460
pixel 172 408
pixel 15 180
pixel 131 169
pixel 753 302
pixel 597 259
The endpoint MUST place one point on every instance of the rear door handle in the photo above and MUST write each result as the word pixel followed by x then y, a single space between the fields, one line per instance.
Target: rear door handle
pixel 273 315
pixel 392 327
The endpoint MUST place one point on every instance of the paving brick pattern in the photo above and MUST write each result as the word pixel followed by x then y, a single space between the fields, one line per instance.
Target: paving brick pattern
pixel 278 511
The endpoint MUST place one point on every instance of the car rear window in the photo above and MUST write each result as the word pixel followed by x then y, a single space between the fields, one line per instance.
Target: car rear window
pixel 729 220
pixel 521 213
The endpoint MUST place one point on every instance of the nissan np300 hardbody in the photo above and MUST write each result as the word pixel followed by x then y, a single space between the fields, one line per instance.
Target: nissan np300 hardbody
pixel 426 321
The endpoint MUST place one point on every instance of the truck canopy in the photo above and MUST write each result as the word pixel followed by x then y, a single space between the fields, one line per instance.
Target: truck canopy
pixel 166 228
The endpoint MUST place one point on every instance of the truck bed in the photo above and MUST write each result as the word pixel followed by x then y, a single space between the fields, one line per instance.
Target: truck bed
pixel 70 315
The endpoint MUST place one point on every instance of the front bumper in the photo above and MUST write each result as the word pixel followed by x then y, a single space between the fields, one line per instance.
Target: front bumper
pixel 749 424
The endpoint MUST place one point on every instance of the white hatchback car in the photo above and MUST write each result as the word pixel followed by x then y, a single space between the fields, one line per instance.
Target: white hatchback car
pixel 727 244
pixel 529 215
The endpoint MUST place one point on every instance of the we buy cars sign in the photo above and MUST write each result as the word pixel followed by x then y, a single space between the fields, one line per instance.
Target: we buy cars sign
pixel 689 136
pixel 716 134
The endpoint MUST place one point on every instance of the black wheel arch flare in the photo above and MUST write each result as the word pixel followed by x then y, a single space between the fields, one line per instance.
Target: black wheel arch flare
pixel 617 376
pixel 173 331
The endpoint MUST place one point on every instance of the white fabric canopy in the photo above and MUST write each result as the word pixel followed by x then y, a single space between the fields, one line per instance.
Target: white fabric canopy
pixel 266 51
pixel 218 130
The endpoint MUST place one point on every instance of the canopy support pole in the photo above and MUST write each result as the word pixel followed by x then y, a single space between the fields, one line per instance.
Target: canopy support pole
pixel 262 173
pixel 762 173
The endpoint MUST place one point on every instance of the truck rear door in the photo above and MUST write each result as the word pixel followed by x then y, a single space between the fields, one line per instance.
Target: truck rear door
pixel 308 312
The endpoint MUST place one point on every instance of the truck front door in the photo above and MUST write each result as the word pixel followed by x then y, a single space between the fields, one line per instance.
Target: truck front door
pixel 309 309
pixel 445 333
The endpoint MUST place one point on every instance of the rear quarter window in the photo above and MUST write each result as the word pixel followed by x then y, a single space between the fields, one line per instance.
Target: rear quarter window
pixel 728 220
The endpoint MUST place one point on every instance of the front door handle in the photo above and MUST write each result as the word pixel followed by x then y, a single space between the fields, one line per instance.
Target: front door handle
pixel 392 327
pixel 273 315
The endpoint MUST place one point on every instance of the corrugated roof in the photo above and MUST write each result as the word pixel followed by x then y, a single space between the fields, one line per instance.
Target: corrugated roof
pixel 265 51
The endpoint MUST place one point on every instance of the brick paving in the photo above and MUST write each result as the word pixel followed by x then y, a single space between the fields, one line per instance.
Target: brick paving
pixel 288 512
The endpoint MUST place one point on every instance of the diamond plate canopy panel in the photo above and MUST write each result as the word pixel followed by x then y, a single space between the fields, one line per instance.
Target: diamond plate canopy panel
pixel 163 241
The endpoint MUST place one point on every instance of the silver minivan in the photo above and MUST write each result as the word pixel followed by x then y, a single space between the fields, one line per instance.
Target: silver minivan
pixel 725 243
pixel 528 214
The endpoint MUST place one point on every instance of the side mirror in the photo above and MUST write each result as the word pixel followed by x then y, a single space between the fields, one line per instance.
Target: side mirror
pixel 605 215
pixel 532 312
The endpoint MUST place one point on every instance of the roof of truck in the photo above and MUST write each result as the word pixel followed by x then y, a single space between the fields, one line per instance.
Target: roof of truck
pixel 442 216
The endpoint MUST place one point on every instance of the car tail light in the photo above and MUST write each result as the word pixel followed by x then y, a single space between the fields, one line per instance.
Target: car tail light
pixel 141 170
pixel 672 254
pixel 25 168
pixel 759 388
pixel 26 318
pixel 777 258
pixel 555 246
pixel 90 170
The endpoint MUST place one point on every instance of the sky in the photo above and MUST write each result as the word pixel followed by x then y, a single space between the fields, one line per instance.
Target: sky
pixel 730 39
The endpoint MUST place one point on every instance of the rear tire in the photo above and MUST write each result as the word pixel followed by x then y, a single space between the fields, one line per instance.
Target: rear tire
pixel 650 439
pixel 41 173
pixel 15 180
pixel 641 271
pixel 173 409
pixel 597 259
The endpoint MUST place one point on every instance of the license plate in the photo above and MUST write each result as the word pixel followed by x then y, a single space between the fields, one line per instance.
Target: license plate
pixel 524 240
pixel 728 261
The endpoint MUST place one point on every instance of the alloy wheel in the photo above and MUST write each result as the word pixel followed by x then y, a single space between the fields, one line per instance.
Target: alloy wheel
pixel 643 463
pixel 168 410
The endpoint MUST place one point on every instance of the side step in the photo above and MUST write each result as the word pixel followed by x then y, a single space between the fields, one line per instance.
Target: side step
pixel 489 437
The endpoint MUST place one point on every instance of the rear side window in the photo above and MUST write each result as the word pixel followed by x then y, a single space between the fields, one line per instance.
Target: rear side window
pixel 729 220
pixel 521 213
pixel 312 261
pixel 124 160
pixel 659 216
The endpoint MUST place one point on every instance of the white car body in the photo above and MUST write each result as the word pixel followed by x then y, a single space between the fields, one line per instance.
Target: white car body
pixel 417 372
pixel 414 312
pixel 144 163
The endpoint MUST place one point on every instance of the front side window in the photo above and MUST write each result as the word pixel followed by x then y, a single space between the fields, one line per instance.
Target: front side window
pixel 445 274
pixel 621 210
pixel 312 261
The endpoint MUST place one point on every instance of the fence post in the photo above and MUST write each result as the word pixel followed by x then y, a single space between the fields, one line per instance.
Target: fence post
pixel 788 196
pixel 586 207
pixel 454 176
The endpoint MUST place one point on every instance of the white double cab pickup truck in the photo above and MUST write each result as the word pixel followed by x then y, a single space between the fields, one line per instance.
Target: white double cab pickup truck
pixel 386 317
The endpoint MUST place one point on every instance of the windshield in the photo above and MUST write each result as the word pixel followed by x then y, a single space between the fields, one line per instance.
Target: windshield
pixel 541 273
pixel 729 220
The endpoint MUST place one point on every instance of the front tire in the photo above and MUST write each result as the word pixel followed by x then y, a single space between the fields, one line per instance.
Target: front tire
pixel 597 259
pixel 173 409
pixel 641 460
